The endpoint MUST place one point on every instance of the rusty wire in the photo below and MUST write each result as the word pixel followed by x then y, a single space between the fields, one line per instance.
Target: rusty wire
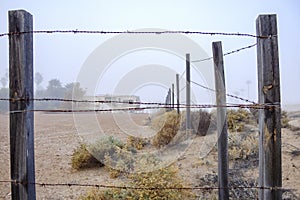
pixel 202 106
pixel 141 188
pixel 154 105
pixel 76 31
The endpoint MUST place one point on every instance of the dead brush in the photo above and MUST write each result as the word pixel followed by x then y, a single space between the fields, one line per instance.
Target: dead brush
pixel 136 142
pixel 162 178
pixel 238 118
pixel 82 158
pixel 242 147
pixel 169 126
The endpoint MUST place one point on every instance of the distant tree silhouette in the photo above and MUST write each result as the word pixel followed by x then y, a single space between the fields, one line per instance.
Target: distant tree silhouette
pixel 4 80
pixel 38 79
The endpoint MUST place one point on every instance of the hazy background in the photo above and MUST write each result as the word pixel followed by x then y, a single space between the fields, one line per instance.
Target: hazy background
pixel 61 56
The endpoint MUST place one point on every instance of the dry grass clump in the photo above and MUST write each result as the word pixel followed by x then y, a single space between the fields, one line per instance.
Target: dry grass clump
pixel 117 157
pixel 241 146
pixel 167 126
pixel 162 178
pixel 114 154
pixel 238 118
pixel 82 158
pixel 107 151
pixel 136 142
pixel 285 120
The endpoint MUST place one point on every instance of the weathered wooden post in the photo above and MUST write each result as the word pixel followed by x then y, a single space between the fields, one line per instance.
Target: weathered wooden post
pixel 177 91
pixel 21 121
pixel 173 95
pixel 168 101
pixel 188 92
pixel 221 121
pixel 270 172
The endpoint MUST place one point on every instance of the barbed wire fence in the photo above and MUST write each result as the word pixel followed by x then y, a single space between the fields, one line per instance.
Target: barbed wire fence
pixel 271 106
pixel 137 32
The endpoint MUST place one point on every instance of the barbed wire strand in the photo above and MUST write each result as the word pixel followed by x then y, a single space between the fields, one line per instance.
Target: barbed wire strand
pixel 76 31
pixel 254 106
pixel 117 102
pixel 182 89
pixel 228 53
pixel 181 76
pixel 229 95
pixel 142 188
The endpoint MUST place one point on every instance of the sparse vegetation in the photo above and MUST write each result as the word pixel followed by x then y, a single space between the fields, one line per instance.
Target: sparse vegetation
pixel 238 118
pixel 136 142
pixel 242 146
pixel 106 151
pixel 82 158
pixel 167 125
pixel 285 120
pixel 162 178
pixel 120 157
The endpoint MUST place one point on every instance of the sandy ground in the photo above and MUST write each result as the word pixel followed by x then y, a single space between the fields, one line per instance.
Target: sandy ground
pixel 57 135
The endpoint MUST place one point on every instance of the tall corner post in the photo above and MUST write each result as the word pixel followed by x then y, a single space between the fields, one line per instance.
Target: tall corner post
pixel 21 95
pixel 270 169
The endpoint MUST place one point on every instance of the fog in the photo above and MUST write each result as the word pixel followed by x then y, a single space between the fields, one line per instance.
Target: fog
pixel 63 56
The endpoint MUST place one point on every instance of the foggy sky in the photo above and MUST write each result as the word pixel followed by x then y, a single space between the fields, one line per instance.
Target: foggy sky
pixel 63 55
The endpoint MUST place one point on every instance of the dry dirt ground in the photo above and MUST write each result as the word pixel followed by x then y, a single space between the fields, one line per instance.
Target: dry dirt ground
pixel 57 135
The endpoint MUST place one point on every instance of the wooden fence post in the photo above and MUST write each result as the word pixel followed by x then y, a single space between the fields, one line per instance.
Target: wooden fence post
pixel 221 121
pixel 21 122
pixel 188 92
pixel 168 101
pixel 173 95
pixel 270 172
pixel 177 91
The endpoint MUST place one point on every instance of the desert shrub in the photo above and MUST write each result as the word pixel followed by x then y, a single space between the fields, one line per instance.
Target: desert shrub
pixel 113 153
pixel 237 119
pixel 147 162
pixel 106 151
pixel 82 158
pixel 162 178
pixel 236 179
pixel 105 146
pixel 136 142
pixel 285 120
pixel 242 146
pixel 167 126
pixel 109 194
